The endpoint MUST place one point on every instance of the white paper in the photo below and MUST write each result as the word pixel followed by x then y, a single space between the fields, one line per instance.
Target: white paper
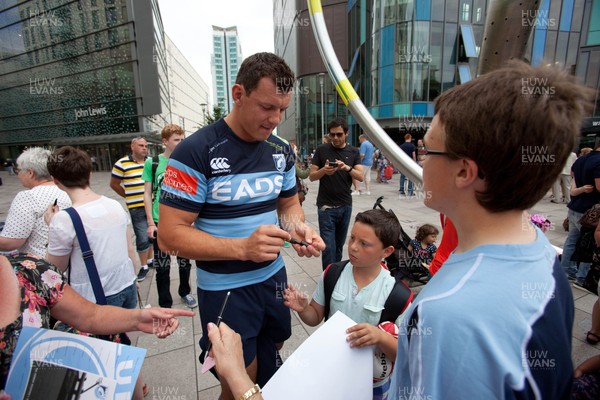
pixel 325 367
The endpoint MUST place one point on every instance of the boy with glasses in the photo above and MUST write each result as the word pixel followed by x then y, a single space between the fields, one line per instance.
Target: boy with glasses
pixel 502 292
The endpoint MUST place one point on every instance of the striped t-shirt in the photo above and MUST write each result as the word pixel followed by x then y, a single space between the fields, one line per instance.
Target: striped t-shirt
pixel 130 172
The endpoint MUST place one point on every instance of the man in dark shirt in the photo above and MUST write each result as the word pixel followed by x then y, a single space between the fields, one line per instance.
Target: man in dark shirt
pixel 411 151
pixel 586 175
pixel 335 164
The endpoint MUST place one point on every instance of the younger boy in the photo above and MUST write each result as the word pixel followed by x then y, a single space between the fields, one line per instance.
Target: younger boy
pixel 152 176
pixel 362 288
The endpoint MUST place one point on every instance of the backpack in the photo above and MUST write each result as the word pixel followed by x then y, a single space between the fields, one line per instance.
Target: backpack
pixel 398 299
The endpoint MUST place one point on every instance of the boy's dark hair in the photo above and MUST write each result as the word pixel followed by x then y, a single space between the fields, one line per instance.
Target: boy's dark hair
pixel 261 65
pixel 426 230
pixel 170 130
pixel 71 167
pixel 519 125
pixel 334 123
pixel 384 223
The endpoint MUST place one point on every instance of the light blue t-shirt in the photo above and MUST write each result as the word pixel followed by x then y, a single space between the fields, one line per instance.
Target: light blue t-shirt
pixel 494 323
pixel 366 148
pixel 361 306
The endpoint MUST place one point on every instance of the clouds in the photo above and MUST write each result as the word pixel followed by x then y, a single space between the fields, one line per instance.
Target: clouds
pixel 189 25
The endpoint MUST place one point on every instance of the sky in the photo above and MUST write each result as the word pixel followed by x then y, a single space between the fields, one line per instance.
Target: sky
pixel 189 25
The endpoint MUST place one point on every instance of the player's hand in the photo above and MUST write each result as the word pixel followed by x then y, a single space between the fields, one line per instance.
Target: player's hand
pixel 588 188
pixel 364 334
pixel 306 233
pixel 265 243
pixel 295 299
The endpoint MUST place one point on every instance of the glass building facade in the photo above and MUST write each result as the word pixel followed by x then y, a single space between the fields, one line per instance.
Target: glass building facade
pixel 315 101
pixel 82 73
pixel 399 55
pixel 404 53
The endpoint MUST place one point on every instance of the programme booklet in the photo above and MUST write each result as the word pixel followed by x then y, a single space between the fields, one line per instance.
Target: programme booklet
pixel 50 364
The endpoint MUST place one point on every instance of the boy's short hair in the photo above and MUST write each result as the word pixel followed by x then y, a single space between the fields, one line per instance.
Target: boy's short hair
pixel 71 167
pixel 426 230
pixel 269 65
pixel 334 123
pixel 408 136
pixel 170 130
pixel 35 159
pixel 384 223
pixel 519 125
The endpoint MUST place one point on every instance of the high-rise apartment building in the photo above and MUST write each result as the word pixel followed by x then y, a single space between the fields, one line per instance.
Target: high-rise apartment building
pixel 225 62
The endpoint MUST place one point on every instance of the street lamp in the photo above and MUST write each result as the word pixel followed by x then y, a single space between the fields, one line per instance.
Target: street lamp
pixel 321 76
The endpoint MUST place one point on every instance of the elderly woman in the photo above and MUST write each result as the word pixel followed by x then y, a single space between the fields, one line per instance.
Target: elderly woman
pixel 32 290
pixel 25 229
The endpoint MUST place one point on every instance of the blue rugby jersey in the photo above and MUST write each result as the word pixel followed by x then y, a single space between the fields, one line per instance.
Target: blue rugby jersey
pixel 234 186
pixel 494 323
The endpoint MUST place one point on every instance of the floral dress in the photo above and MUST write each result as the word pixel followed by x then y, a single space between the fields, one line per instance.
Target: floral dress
pixel 41 286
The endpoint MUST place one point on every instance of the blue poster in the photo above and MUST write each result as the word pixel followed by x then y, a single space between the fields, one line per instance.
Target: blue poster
pixel 57 365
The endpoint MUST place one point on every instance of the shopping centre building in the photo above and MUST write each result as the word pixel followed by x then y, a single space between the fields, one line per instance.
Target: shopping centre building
pixel 91 73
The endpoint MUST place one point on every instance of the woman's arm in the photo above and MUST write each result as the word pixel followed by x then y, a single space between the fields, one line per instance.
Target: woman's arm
pixel 86 316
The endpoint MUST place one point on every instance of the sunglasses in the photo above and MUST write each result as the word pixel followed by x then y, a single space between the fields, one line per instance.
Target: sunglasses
pixel 336 134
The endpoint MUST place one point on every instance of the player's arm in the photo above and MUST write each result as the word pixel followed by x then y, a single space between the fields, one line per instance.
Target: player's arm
pixel 178 235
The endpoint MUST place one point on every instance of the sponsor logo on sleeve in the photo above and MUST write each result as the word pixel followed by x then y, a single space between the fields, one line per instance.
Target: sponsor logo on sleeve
pixel 179 180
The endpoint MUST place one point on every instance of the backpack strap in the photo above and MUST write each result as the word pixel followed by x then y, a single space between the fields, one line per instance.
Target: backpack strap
pixel 88 256
pixel 154 168
pixel 398 300
pixel 330 277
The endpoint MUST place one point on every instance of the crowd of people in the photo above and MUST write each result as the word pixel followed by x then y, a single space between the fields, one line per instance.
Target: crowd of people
pixel 228 198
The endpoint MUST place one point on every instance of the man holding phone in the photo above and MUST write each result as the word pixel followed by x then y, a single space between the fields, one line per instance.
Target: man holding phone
pixel 335 164
pixel 154 171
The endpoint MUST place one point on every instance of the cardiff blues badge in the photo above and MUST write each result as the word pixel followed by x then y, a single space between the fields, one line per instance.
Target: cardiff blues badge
pixel 279 160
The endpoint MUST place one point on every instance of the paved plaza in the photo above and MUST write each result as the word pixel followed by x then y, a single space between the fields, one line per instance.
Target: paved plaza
pixel 171 368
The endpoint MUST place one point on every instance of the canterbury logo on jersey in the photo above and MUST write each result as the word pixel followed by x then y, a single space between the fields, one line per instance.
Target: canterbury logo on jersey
pixel 235 190
pixel 220 164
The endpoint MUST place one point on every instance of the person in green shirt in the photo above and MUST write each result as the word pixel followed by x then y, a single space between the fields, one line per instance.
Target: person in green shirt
pixel 154 170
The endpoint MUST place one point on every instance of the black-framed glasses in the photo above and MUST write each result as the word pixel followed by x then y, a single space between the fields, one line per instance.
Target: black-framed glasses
pixel 435 152
pixel 336 134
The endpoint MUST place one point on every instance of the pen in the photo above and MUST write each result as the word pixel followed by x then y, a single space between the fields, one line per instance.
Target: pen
pixel 300 242
pixel 219 318
pixel 55 201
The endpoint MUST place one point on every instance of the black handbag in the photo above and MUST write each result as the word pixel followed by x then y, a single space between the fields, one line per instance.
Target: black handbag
pixel 586 244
